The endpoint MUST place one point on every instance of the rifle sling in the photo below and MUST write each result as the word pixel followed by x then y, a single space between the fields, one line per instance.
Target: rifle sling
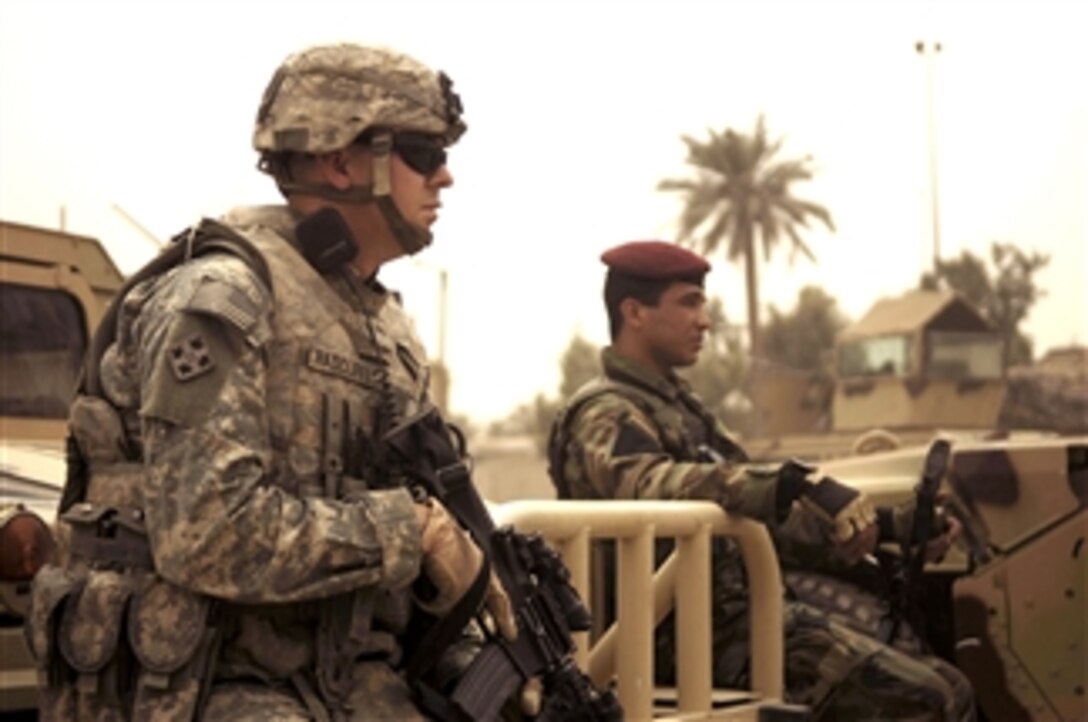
pixel 492 676
pixel 457 493
pixel 438 638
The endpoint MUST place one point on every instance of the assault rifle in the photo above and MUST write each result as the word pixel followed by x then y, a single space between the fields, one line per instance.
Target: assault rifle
pixel 906 601
pixel 545 604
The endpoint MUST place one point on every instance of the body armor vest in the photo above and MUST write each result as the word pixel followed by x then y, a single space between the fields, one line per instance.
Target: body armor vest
pixel 336 378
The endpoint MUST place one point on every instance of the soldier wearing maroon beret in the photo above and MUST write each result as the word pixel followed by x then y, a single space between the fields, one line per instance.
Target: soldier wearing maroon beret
pixel 638 432
pixel 658 283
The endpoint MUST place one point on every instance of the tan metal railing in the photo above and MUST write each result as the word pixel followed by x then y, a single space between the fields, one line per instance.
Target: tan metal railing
pixel 625 651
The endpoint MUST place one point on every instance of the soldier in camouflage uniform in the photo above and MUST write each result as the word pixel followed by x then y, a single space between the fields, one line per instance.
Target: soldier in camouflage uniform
pixel 236 550
pixel 639 433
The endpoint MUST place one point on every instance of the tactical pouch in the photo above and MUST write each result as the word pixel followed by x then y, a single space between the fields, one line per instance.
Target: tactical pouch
pixel 125 645
pixel 168 629
pixel 52 588
pixel 90 640
pixel 61 612
pixel 98 430
pixel 109 535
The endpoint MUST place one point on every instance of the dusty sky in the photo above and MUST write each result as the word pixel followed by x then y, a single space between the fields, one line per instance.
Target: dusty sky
pixel 144 110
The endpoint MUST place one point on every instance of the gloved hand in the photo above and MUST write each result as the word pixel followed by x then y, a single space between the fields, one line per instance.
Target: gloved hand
pixel 897 522
pixel 847 513
pixel 938 546
pixel 451 562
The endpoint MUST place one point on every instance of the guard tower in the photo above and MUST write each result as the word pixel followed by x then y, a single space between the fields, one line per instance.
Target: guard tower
pixel 926 359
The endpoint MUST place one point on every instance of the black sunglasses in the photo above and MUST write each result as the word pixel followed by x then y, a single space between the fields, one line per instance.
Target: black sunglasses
pixel 422 152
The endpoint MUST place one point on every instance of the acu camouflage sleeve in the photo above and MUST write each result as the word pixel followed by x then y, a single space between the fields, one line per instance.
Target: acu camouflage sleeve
pixel 622 456
pixel 215 523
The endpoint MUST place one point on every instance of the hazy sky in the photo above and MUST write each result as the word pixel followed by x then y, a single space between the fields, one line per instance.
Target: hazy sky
pixel 575 111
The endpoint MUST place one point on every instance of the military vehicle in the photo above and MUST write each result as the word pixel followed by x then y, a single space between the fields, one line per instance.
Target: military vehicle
pixel 1010 609
pixel 54 288
pixel 30 482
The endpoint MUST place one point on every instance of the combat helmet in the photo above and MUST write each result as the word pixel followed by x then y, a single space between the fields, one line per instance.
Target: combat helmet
pixel 326 97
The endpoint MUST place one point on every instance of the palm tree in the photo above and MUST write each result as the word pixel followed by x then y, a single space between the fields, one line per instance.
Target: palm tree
pixel 741 189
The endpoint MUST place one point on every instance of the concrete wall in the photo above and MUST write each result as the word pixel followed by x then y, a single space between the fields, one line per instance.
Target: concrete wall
pixel 508 468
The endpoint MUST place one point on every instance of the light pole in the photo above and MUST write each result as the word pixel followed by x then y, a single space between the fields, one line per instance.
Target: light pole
pixel 929 50
pixel 443 296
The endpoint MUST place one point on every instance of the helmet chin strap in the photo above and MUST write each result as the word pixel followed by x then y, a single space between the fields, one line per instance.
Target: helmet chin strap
pixel 412 239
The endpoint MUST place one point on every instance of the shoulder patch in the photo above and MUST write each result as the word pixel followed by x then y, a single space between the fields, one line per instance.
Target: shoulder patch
pixel 188 374
pixel 633 439
pixel 229 290
pixel 190 358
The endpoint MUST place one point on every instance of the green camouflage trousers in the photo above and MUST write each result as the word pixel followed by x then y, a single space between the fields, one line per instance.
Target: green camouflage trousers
pixel 841 674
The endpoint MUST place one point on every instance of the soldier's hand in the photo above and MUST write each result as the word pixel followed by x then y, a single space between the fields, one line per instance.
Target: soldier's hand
pixel 531 697
pixel 451 562
pixel 939 545
pixel 898 525
pixel 860 545
pixel 847 513
pixel 498 605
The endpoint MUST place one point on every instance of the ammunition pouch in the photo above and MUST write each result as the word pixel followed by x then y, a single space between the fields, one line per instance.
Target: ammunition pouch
pixel 175 642
pixel 123 644
pixel 53 587
pixel 89 634
pixel 110 636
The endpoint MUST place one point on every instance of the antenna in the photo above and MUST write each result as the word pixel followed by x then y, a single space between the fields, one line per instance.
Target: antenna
pixel 138 226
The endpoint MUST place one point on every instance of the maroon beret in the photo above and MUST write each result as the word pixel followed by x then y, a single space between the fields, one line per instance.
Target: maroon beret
pixel 655 260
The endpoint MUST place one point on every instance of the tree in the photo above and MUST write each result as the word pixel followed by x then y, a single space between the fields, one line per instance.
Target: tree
pixel 742 192
pixel 581 362
pixel 1004 298
pixel 804 339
